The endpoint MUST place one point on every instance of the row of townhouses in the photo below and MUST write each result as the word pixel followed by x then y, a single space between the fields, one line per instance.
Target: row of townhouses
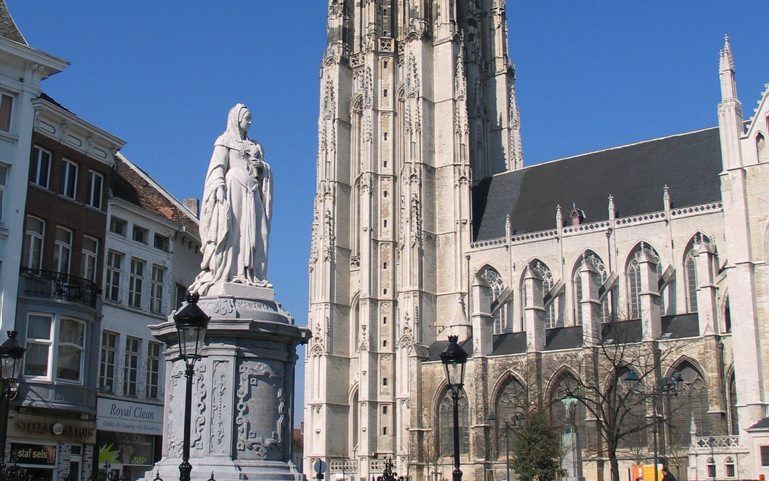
pixel 92 252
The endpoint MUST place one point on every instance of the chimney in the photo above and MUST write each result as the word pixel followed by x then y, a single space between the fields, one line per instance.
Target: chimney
pixel 193 205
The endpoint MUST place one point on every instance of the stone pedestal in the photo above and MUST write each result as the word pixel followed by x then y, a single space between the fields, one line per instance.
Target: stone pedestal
pixel 243 390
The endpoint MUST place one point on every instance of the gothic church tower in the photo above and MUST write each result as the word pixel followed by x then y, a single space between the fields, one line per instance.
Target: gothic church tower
pixel 417 102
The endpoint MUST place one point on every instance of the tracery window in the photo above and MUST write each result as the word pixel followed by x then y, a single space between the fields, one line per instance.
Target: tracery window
pixel 734 421
pixel 689 404
pixel 634 279
pixel 690 270
pixel 446 424
pixel 634 420
pixel 691 280
pixel 502 316
pixel 552 317
pixel 599 266
pixel 512 402
pixel 569 414
pixel 355 327
pixel 354 415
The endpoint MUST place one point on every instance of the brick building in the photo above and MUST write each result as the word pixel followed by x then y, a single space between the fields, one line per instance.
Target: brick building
pixel 59 301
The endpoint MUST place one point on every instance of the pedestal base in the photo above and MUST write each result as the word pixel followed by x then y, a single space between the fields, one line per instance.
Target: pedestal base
pixel 243 390
pixel 223 470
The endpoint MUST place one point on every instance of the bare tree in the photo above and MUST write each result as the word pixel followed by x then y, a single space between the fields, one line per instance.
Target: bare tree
pixel 432 458
pixel 618 411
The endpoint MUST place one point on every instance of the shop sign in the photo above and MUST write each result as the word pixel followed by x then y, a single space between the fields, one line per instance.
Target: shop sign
pixel 129 417
pixel 27 425
pixel 33 454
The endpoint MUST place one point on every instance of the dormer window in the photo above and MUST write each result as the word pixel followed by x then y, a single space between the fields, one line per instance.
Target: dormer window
pixel 577 215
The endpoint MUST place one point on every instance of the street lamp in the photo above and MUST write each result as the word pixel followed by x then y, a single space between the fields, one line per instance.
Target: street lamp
pixel 667 385
pixel 191 323
pixel 454 359
pixel 11 353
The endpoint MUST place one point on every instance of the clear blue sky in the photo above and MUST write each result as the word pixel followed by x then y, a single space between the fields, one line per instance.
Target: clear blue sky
pixel 162 74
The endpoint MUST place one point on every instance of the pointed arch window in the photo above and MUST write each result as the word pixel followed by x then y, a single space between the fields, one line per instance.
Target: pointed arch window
pixel 552 316
pixel 690 263
pixel 354 417
pixel 596 262
pixel 690 405
pixel 634 279
pixel 734 422
pixel 502 322
pixel 763 156
pixel 634 421
pixel 569 417
pixel 690 270
pixel 512 401
pixel 355 327
pixel 446 424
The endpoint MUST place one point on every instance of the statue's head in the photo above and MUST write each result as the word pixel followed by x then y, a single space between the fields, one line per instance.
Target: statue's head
pixel 239 120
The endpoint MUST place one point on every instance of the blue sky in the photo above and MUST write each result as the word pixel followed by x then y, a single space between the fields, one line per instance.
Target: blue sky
pixel 162 75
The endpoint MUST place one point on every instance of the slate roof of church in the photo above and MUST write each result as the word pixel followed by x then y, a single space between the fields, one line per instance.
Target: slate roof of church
pixel 8 28
pixel 130 184
pixel 634 174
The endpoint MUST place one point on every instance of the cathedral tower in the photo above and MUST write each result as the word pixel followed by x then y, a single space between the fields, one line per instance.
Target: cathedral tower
pixel 417 101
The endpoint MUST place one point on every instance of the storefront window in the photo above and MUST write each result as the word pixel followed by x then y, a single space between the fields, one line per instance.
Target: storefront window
pixel 38 460
pixel 132 454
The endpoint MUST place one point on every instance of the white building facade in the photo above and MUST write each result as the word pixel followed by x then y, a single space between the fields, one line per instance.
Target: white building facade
pixel 151 236
pixel 428 224
pixel 22 68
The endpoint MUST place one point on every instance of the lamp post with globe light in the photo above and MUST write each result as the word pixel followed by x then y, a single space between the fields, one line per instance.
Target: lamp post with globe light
pixel 454 359
pixel 191 323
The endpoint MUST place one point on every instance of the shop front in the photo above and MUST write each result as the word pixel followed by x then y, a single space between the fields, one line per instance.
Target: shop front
pixel 128 436
pixel 52 448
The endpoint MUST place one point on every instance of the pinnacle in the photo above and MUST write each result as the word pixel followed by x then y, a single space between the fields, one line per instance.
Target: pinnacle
pixel 727 60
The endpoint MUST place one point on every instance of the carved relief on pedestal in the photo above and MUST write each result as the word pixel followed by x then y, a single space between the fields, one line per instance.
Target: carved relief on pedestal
pixel 260 410
pixel 177 385
pixel 218 401
pixel 199 424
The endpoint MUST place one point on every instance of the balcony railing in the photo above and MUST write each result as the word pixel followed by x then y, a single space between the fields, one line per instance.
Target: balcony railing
pixel 732 441
pixel 59 286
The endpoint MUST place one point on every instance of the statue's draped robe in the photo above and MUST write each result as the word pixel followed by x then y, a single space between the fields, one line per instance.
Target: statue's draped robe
pixel 234 232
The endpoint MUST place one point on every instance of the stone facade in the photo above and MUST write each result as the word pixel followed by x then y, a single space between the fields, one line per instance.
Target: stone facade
pixel 427 224
pixel 409 96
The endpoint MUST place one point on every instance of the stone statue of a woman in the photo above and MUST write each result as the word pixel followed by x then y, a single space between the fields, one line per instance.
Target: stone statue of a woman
pixel 236 210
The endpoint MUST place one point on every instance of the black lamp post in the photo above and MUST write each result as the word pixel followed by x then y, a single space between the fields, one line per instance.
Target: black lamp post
pixel 191 323
pixel 668 385
pixel 11 353
pixel 454 359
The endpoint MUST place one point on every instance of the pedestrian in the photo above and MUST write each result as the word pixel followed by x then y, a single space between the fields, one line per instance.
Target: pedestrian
pixel 667 475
